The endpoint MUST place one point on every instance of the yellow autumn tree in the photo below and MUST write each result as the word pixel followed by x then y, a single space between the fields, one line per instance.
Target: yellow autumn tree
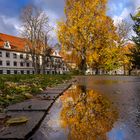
pixel 86 31
pixel 123 31
pixel 104 55
pixel 125 53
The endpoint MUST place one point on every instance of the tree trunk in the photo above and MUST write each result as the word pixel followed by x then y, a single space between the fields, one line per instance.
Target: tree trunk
pixel 83 66
pixel 83 61
pixel 97 71
pixel 124 70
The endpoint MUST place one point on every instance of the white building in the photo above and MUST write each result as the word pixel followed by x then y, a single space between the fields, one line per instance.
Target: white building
pixel 15 60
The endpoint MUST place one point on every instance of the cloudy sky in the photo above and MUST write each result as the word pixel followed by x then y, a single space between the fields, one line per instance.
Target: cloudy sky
pixel 10 11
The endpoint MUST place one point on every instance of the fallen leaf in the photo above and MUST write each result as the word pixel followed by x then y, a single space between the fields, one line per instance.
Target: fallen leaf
pixel 17 120
pixel 28 95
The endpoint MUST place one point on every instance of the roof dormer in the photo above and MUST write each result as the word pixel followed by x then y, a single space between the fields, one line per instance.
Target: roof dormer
pixel 27 49
pixel 56 53
pixel 7 45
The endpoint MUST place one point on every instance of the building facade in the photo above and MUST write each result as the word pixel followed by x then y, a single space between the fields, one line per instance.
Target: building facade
pixel 15 60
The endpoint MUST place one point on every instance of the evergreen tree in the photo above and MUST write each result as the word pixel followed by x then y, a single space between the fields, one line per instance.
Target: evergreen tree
pixel 136 39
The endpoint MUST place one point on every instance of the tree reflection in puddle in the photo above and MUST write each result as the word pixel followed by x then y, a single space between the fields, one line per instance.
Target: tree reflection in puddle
pixel 87 114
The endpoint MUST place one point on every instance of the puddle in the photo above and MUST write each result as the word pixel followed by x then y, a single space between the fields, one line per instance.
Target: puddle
pixel 79 114
pixel 108 82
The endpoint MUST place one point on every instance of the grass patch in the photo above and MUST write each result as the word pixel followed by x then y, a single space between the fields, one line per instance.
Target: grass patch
pixel 13 88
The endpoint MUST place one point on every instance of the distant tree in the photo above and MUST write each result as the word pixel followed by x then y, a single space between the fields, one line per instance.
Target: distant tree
pixel 136 39
pixel 46 52
pixel 36 33
pixel 123 31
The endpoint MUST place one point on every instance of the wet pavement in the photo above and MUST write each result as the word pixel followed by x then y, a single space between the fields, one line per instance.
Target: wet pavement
pixel 95 108
pixel 34 110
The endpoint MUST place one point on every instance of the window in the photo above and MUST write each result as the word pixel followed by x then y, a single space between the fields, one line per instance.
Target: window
pixel 37 58
pixel 7 54
pixel 15 63
pixel 21 56
pixel 33 72
pixel 28 72
pixel 15 71
pixel 8 72
pixel 22 71
pixel 59 66
pixel 14 55
pixel 28 64
pixel 48 72
pixel 7 44
pixel 27 48
pixel 0 54
pixel 27 56
pixel 1 71
pixel 0 63
pixel 59 60
pixel 7 63
pixel 21 64
pixel 47 59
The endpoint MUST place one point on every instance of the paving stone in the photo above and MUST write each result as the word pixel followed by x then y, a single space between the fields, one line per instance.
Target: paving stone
pixel 66 84
pixel 61 87
pixel 22 131
pixel 2 116
pixel 57 90
pixel 52 91
pixel 48 96
pixel 31 105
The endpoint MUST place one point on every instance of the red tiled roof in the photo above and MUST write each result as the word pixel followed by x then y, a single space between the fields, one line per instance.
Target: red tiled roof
pixel 16 43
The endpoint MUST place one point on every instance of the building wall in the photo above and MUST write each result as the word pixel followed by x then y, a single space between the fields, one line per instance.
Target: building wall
pixel 16 63
pixel 119 71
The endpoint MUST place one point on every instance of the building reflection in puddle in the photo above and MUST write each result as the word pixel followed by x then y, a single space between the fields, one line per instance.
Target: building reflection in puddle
pixel 86 114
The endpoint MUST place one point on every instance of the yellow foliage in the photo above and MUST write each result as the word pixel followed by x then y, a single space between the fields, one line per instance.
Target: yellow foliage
pixel 87 31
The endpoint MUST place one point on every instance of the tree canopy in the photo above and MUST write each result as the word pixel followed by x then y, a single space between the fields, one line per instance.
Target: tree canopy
pixel 36 33
pixel 89 33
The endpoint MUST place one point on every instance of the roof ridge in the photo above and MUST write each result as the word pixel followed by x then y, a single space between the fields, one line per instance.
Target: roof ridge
pixel 11 36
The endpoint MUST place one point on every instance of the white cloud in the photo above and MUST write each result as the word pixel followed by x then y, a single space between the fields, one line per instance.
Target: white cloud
pixel 53 19
pixel 136 3
pixel 9 25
